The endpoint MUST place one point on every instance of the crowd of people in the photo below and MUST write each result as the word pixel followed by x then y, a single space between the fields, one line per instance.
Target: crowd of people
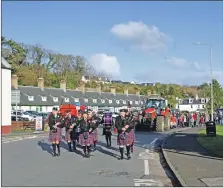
pixel 82 130
pixel 186 119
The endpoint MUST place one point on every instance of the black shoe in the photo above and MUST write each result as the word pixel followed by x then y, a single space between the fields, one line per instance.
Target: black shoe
pixel 128 157
pixel 58 154
pixel 121 158
pixel 54 154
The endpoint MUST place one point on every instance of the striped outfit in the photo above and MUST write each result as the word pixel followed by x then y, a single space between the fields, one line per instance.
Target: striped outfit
pixel 85 142
pixel 55 137
pixel 95 135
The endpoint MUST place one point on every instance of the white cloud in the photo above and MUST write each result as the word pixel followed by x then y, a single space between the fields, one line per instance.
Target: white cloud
pixel 103 63
pixel 139 35
pixel 183 63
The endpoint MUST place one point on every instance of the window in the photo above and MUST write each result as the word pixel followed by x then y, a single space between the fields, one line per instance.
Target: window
pixel 198 106
pixel 203 106
pixel 40 108
pixel 130 102
pixel 85 100
pixel 110 101
pixel 141 102
pixel 191 106
pixel 66 99
pixel 30 98
pixel 190 100
pixel 55 99
pixel 76 100
pixel 44 98
pixel 117 101
pixel 202 101
pixel 136 102
pixel 94 100
pixel 124 102
pixel 102 101
pixel 178 106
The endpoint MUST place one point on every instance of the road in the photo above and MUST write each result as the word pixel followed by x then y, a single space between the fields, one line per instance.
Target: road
pixel 27 162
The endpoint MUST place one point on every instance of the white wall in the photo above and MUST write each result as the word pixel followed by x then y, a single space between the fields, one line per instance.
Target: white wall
pixel 187 107
pixel 6 96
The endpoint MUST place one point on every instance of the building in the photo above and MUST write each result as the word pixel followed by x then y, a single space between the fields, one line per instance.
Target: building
pixel 5 96
pixel 97 79
pixel 191 104
pixel 43 99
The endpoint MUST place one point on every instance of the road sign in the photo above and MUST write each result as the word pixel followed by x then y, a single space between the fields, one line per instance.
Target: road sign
pixel 39 123
pixel 15 96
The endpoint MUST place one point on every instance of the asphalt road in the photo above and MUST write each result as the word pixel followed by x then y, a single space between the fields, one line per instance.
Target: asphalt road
pixel 27 162
pixel 196 166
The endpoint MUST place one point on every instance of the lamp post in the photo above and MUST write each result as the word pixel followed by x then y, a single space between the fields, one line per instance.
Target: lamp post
pixel 211 75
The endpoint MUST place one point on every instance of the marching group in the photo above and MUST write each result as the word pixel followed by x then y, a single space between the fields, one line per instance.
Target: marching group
pixel 82 130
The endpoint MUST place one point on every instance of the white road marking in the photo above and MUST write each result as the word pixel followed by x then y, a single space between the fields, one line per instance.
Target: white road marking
pixel 147 183
pixel 14 139
pixel 154 141
pixel 146 167
pixel 146 156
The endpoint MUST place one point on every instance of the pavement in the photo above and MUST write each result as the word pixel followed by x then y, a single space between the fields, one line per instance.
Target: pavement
pixel 28 162
pixel 192 164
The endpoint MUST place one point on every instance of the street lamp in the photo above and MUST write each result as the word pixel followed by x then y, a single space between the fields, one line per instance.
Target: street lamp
pixel 212 97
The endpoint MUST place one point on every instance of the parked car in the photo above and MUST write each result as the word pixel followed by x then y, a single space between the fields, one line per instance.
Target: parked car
pixel 24 115
pixel 33 113
pixel 19 118
pixel 44 115
pixel 115 114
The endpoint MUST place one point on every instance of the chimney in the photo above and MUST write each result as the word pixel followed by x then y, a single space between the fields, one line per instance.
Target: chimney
pixel 113 90
pixel 137 91
pixel 98 88
pixel 82 87
pixel 196 97
pixel 148 93
pixel 126 91
pixel 63 85
pixel 41 83
pixel 15 81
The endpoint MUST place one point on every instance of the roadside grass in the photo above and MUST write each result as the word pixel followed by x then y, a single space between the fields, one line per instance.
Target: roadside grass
pixel 213 144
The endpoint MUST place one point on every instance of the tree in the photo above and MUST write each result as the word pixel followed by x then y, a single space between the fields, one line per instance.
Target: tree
pixel 14 53
pixel 217 95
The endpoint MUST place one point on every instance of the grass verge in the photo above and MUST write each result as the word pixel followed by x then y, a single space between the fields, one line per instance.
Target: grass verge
pixel 214 144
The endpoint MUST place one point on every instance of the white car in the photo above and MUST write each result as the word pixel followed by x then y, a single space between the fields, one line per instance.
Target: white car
pixel 114 115
pixel 25 115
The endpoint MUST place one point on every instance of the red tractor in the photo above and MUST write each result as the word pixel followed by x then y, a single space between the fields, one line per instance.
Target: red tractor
pixel 64 107
pixel 156 115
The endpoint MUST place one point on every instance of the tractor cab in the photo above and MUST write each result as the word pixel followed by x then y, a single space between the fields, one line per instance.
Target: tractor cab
pixel 155 105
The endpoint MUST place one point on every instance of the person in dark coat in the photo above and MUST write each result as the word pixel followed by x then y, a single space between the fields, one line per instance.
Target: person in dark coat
pixel 55 134
pixel 121 123
pixel 85 137
pixel 132 123
pixel 94 121
pixel 76 130
pixel 107 126
pixel 69 124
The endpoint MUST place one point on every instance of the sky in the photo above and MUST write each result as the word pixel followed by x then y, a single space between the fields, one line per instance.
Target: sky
pixel 130 41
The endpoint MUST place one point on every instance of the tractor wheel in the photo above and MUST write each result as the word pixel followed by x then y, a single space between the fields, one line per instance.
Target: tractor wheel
pixel 166 123
pixel 160 123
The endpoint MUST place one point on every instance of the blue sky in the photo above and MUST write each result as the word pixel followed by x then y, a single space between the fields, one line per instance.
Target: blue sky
pixel 141 41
